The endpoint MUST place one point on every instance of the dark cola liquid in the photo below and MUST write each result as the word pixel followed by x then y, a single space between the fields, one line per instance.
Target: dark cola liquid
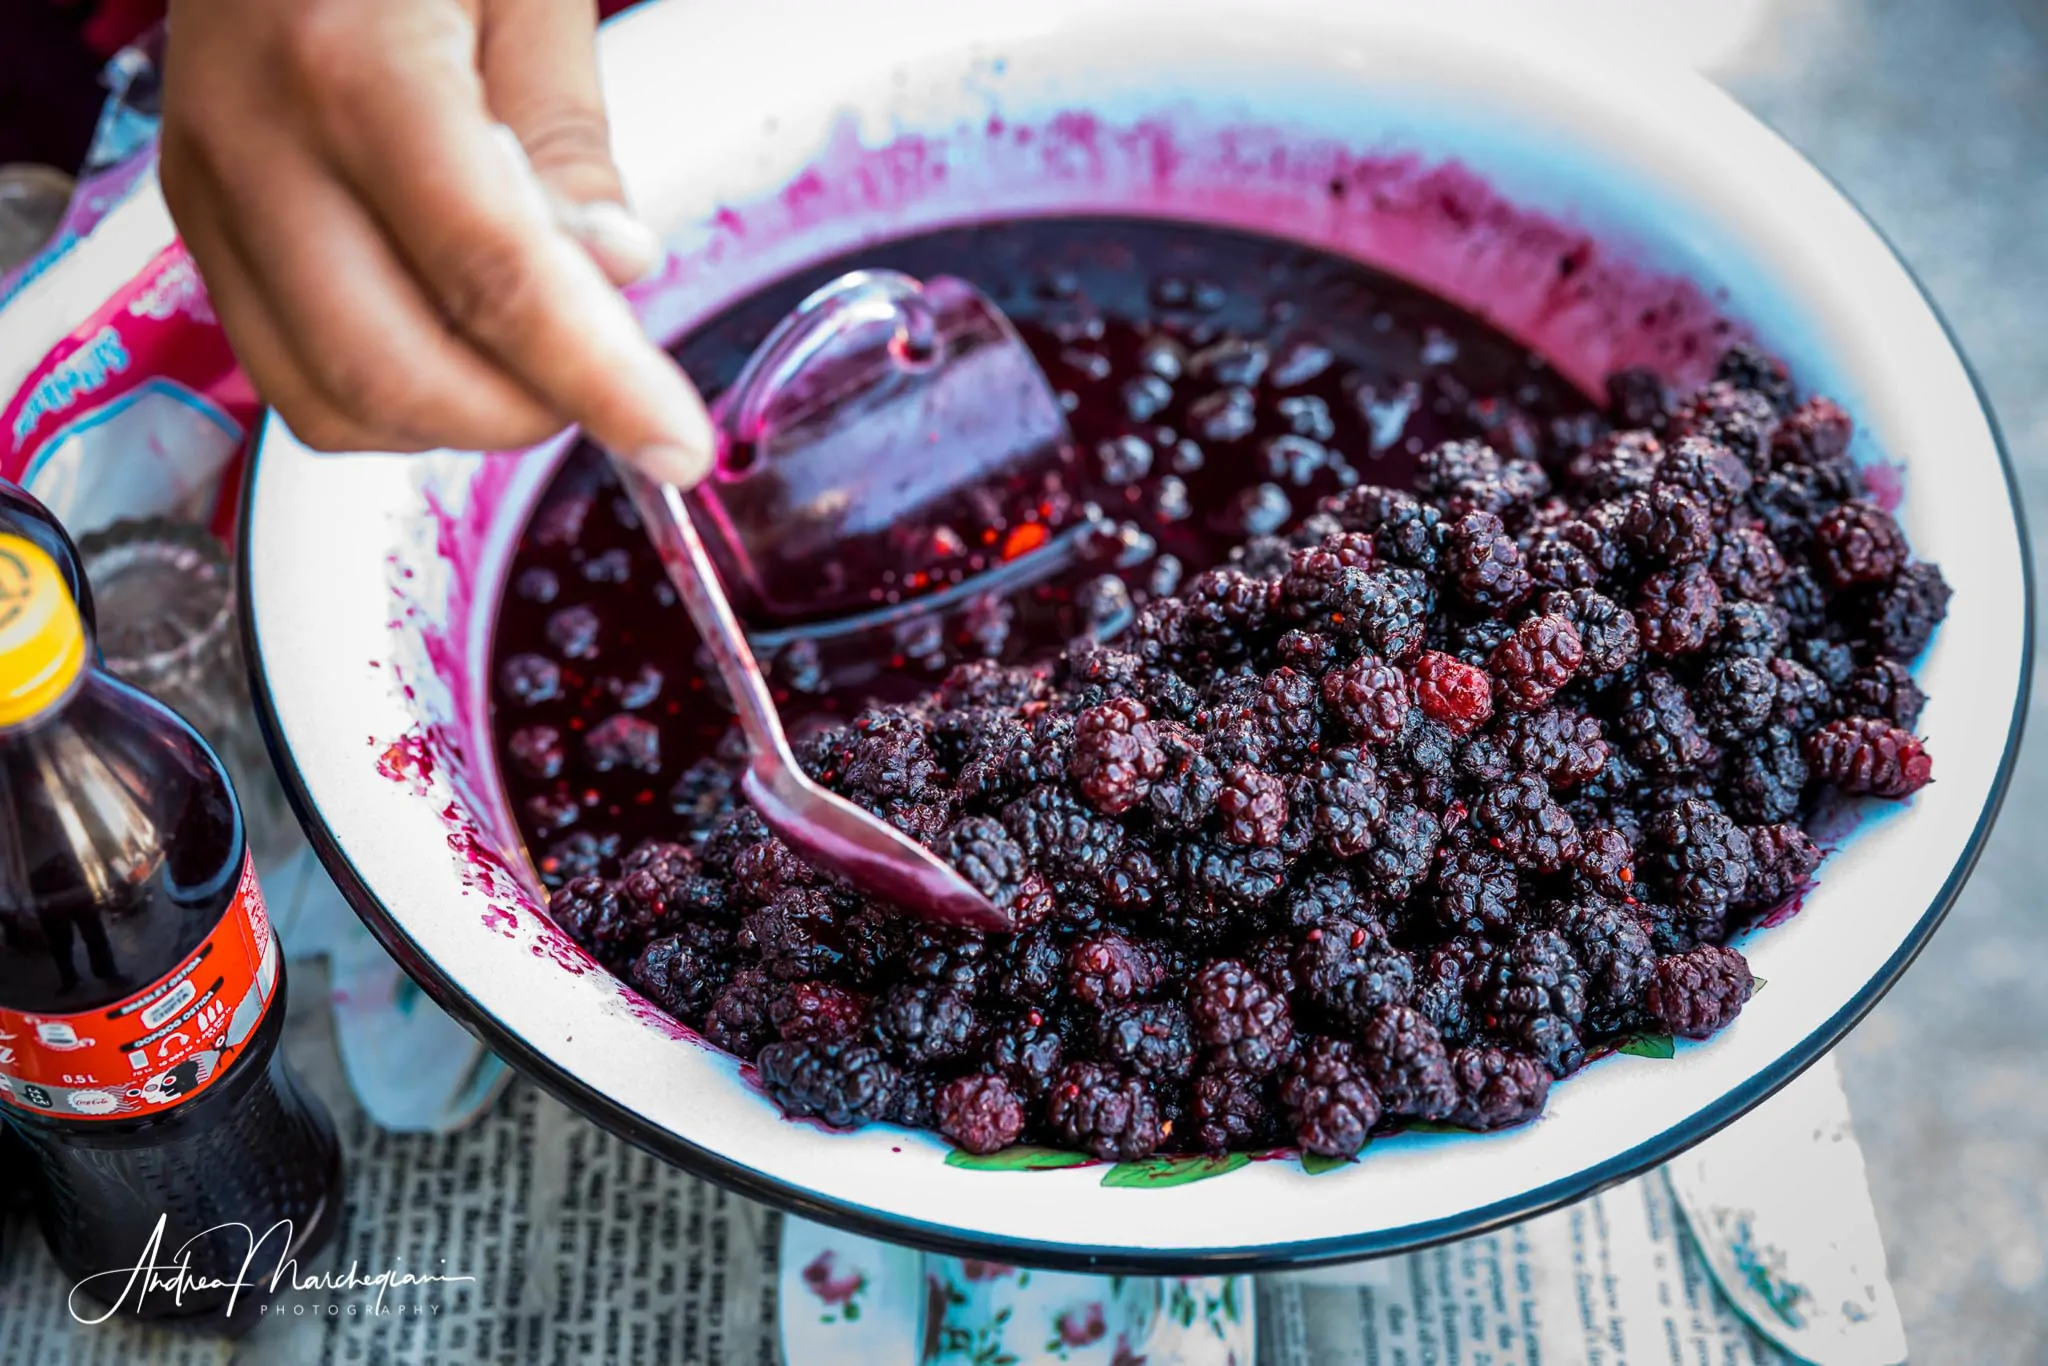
pixel 1217 384
pixel 123 848
pixel 162 851
pixel 220 1171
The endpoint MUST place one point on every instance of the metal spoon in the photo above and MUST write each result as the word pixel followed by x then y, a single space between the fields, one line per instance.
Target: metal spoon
pixel 825 829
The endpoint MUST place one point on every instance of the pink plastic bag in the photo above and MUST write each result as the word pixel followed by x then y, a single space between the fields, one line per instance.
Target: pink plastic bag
pixel 140 409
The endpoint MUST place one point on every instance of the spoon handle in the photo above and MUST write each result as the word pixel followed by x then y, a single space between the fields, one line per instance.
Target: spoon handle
pixel 667 520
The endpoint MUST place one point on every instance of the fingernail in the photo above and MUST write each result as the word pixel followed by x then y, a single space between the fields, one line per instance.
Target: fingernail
pixel 626 248
pixel 676 465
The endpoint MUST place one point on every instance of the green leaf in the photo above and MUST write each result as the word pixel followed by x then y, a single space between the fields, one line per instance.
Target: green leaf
pixel 1315 1164
pixel 1650 1046
pixel 852 1312
pixel 1172 1171
pixel 1431 1126
pixel 1757 984
pixel 1018 1158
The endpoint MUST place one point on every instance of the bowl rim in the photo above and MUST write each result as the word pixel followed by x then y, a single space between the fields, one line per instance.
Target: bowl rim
pixel 442 987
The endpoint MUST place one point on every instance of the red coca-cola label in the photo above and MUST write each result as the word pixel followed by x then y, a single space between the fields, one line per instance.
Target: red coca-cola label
pixel 161 1046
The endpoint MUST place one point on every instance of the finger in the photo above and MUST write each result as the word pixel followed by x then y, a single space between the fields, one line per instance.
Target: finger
pixel 453 192
pixel 539 64
pixel 360 328
pixel 264 355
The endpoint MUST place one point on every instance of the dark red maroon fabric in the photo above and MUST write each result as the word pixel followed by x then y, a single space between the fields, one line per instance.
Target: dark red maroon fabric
pixel 51 52
pixel 49 83
pixel 116 23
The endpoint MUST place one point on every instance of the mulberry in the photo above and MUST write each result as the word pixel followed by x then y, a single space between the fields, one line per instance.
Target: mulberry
pixel 1241 1022
pixel 1370 697
pixel 1348 970
pixel 1497 1088
pixel 980 1114
pixel 1406 1064
pixel 1453 693
pixel 1863 754
pixel 1116 755
pixel 1520 818
pixel 1699 855
pixel 1329 1102
pixel 841 1085
pixel 1539 658
pixel 1484 563
pixel 1699 993
pixel 1112 1117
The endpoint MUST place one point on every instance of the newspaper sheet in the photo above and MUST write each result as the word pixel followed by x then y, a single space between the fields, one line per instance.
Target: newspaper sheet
pixel 1611 1281
pixel 561 1244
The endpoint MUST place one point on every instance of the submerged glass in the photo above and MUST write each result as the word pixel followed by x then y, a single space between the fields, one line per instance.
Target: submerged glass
pixel 875 448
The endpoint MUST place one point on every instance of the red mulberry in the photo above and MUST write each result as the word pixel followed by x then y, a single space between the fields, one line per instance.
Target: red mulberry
pixel 1863 754
pixel 1454 693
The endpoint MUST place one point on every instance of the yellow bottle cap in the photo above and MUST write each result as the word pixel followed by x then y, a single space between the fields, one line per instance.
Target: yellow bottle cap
pixel 42 641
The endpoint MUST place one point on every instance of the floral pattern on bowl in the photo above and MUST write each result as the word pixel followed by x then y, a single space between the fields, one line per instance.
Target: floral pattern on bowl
pixel 847 1299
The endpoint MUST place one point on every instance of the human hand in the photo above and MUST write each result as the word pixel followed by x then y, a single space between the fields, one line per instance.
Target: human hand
pixel 407 217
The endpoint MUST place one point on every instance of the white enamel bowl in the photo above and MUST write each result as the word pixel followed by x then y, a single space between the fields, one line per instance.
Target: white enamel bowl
pixel 764 137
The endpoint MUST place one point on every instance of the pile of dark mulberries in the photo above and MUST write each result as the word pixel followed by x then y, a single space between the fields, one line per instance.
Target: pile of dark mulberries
pixel 1398 817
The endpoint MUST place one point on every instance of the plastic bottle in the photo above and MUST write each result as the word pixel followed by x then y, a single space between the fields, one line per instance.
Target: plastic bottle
pixel 141 989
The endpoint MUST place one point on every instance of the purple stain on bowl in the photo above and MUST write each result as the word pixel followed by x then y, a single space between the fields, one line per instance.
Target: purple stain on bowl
pixel 408 760
pixel 1885 483
pixel 1784 910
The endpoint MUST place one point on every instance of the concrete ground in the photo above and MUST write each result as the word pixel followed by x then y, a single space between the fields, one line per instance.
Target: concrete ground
pixel 1933 115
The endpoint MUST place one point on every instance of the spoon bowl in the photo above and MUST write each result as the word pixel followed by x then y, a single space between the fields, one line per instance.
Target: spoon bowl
pixel 825 830
pixel 831 832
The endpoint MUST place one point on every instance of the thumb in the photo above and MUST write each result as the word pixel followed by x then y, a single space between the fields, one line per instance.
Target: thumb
pixel 538 60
